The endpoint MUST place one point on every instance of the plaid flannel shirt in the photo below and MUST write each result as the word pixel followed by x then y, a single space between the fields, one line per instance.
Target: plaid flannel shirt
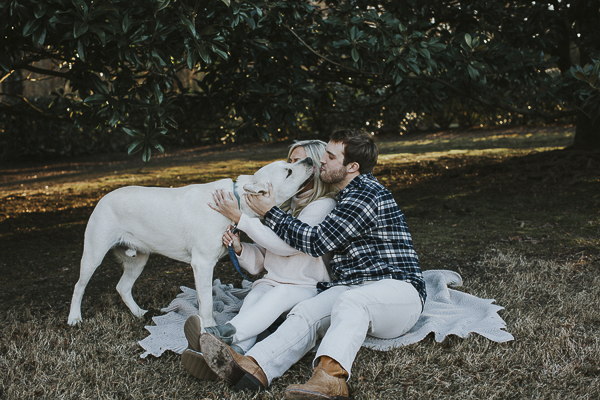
pixel 366 232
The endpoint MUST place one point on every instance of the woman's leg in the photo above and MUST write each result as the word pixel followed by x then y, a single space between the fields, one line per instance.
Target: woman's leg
pixel 262 312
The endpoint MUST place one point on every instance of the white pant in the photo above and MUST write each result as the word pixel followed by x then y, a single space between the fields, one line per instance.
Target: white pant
pixel 262 306
pixel 342 316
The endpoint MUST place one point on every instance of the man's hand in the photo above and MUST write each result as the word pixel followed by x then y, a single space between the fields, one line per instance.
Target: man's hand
pixel 261 204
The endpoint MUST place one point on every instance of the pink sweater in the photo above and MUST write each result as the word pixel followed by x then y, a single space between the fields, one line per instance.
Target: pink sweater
pixel 283 263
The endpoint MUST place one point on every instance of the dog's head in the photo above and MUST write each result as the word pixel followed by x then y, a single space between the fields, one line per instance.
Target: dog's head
pixel 286 179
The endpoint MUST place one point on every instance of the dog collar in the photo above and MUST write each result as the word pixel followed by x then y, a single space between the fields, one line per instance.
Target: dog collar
pixel 236 195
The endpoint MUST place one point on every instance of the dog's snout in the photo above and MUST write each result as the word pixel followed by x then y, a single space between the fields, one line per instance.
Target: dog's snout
pixel 309 161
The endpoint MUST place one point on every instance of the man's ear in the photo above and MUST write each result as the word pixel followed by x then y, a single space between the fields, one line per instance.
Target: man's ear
pixel 353 167
pixel 256 188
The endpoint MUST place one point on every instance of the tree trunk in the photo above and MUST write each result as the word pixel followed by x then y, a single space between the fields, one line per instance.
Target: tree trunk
pixel 12 85
pixel 587 133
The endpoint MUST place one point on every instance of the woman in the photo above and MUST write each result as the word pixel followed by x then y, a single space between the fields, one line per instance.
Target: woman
pixel 291 275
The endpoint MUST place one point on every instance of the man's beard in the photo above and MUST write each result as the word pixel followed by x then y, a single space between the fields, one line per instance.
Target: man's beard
pixel 334 176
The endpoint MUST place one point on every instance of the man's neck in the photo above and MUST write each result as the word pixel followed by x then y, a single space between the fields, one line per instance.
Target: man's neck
pixel 349 178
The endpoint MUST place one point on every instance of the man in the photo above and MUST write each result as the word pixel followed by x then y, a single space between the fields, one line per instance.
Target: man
pixel 378 287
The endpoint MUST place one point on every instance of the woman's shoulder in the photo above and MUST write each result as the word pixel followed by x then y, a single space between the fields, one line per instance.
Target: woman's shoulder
pixel 321 203
pixel 325 200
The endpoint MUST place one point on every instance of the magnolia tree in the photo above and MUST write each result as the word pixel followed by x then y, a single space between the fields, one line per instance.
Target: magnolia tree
pixel 263 69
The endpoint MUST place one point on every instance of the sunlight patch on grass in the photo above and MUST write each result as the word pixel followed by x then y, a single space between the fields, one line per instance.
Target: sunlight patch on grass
pixel 557 138
pixel 501 152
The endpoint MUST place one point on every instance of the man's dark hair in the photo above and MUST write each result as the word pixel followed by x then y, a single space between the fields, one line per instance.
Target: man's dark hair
pixel 359 147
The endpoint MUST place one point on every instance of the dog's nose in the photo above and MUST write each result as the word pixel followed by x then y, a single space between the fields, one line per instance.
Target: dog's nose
pixel 309 161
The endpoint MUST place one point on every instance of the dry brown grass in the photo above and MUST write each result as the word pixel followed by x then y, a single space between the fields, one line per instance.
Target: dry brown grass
pixel 521 227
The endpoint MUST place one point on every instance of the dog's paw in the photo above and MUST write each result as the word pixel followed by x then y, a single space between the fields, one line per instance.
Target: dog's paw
pixel 152 312
pixel 74 321
pixel 140 313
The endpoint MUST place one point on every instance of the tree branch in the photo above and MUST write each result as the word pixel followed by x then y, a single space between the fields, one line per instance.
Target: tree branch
pixel 47 72
pixel 31 105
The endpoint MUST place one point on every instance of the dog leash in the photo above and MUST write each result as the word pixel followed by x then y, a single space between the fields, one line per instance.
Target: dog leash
pixel 234 258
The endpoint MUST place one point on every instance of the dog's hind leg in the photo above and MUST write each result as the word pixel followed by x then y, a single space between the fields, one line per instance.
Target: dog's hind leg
pixel 132 268
pixel 90 261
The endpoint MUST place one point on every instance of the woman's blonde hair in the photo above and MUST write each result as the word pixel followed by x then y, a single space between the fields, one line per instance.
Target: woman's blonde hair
pixel 314 149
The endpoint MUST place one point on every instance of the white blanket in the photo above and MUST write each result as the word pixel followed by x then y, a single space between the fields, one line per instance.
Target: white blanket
pixel 446 312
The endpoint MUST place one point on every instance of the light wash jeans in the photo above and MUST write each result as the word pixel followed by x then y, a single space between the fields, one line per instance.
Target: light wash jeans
pixel 342 316
pixel 262 306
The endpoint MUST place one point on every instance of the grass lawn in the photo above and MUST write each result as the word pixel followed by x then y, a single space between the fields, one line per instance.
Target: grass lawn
pixel 511 210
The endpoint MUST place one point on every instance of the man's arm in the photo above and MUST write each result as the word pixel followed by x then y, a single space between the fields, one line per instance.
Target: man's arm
pixel 346 220
pixel 352 216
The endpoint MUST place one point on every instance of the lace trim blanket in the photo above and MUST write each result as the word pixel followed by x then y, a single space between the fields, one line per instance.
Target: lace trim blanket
pixel 446 312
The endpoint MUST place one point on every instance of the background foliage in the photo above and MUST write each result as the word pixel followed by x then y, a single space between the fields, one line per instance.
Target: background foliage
pixel 205 71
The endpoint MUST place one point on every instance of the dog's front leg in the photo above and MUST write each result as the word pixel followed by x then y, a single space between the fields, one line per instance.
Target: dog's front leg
pixel 203 275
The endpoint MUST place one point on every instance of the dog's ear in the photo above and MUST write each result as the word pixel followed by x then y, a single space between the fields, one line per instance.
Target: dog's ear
pixel 256 188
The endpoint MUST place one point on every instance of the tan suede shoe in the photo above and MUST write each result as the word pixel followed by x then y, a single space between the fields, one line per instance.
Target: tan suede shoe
pixel 195 364
pixel 241 371
pixel 321 386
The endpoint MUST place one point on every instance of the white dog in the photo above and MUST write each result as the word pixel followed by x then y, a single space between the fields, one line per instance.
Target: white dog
pixel 135 221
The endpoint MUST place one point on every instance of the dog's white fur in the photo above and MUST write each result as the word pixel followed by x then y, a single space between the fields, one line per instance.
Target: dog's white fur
pixel 135 221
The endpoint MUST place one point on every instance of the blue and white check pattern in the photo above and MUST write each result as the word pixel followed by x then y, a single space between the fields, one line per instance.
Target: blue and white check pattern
pixel 366 232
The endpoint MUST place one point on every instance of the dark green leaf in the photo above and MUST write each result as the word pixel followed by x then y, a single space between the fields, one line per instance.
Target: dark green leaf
pixel 472 72
pixel 160 5
pixel 81 50
pixel 100 33
pixel 40 9
pixel 468 39
pixel 131 132
pixel 82 6
pixel 39 37
pixel 424 52
pixel 80 28
pixel 172 123
pixel 190 27
pixel 158 94
pixel 340 43
pixel 220 52
pixel 135 146
pixel 30 27
pixel 95 99
pixel 160 131
pixel 578 73
pixel 126 24
pixel 146 154
pixel 157 146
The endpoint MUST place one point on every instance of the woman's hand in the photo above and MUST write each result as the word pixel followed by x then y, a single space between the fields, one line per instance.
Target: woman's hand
pixel 229 238
pixel 226 204
pixel 259 203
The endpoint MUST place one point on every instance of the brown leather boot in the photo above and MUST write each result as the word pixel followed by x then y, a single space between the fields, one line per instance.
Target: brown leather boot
pixel 328 382
pixel 241 371
pixel 195 364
